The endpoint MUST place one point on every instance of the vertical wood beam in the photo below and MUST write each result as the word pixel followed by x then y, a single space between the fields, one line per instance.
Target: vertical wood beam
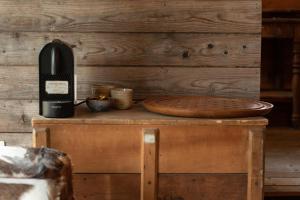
pixel 41 137
pixel 255 164
pixel 149 165
pixel 296 78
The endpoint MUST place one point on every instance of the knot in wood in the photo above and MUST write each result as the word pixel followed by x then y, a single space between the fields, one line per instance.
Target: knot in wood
pixel 185 54
pixel 210 46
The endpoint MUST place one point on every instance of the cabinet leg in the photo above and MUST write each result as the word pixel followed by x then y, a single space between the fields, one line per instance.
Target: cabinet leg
pixel 296 81
pixel 149 165
pixel 255 164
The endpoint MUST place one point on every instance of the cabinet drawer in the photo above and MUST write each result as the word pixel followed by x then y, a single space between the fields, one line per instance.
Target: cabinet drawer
pixel 182 149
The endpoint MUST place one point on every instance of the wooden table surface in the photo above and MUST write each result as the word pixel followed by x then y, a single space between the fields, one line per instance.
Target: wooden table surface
pixel 139 116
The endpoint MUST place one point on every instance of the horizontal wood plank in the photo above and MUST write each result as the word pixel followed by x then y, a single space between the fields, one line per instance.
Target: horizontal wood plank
pixel 280 6
pixel 282 152
pixel 131 16
pixel 171 186
pixel 161 49
pixel 16 139
pixel 275 29
pixel 16 115
pixel 282 161
pixel 282 190
pixel 122 151
pixel 22 82
pixel 107 186
pixel 282 182
pixel 203 186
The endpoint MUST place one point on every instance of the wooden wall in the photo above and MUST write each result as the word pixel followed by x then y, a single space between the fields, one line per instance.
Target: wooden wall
pixel 209 47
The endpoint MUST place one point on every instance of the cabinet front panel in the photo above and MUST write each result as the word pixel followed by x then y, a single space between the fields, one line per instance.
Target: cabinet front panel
pixel 171 186
pixel 182 149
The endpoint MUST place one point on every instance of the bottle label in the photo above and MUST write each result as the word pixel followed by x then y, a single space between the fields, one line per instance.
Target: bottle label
pixel 57 87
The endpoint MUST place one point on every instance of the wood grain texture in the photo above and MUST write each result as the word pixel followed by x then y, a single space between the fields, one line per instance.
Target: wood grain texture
pixel 187 49
pixel 16 115
pixel 282 191
pixel 202 186
pixel 137 115
pixel 16 139
pixel 155 47
pixel 274 29
pixel 127 186
pixel 282 161
pixel 107 186
pixel 280 6
pixel 21 82
pixel 131 16
pixel 41 137
pixel 122 153
pixel 282 181
pixel 256 164
pixel 149 164
pixel 207 106
pixel 282 153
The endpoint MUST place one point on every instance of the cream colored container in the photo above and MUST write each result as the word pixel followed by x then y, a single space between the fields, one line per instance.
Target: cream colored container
pixel 101 90
pixel 122 98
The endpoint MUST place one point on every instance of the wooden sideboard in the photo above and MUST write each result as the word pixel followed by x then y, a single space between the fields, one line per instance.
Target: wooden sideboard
pixel 135 154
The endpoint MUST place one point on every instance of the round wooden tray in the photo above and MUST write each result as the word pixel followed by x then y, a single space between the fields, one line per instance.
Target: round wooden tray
pixel 207 107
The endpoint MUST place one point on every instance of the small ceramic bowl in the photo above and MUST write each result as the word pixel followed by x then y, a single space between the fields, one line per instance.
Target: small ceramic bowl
pixel 97 105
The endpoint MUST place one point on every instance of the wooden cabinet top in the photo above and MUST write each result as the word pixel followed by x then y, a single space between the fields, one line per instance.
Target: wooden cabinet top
pixel 139 116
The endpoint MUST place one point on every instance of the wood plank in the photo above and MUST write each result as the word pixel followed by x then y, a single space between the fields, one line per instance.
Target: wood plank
pixel 149 164
pixel 120 147
pixel 282 152
pixel 41 137
pixel 255 164
pixel 180 186
pixel 16 139
pixel 161 49
pixel 106 186
pixel 16 115
pixel 273 29
pixel 282 190
pixel 282 161
pixel 279 5
pixel 202 186
pixel 140 16
pixel 276 96
pixel 282 181
pixel 221 143
pixel 21 82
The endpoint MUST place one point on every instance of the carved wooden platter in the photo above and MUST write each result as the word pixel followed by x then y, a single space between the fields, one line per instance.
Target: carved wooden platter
pixel 206 107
